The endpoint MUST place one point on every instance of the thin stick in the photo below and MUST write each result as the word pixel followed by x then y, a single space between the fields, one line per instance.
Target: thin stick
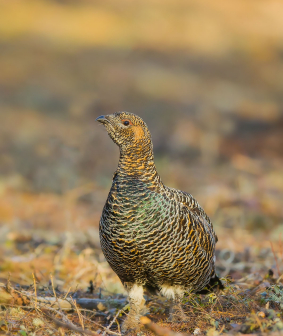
pixel 79 314
pixel 119 329
pixel 110 325
pixel 55 310
pixel 258 321
pixel 275 257
pixel 280 246
pixel 54 292
pixel 101 326
pixel 35 293
pixel 51 278
pixel 61 331
pixel 69 326
pixel 67 293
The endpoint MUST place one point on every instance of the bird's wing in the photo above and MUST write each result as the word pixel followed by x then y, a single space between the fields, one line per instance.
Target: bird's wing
pixel 191 203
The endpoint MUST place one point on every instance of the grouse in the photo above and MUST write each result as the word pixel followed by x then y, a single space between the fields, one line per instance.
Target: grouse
pixel 154 237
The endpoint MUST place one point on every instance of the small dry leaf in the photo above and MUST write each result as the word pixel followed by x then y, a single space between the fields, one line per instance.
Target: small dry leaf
pixel 101 306
pixel 197 331
pixel 37 322
pixel 145 320
pixel 212 332
pixel 261 314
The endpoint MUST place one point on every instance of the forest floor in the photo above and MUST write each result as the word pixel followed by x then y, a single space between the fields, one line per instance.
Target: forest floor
pixel 47 272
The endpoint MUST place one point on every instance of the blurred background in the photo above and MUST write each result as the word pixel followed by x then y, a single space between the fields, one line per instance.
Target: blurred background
pixel 207 78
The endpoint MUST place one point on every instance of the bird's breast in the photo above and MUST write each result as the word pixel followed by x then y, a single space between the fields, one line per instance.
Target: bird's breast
pixel 133 210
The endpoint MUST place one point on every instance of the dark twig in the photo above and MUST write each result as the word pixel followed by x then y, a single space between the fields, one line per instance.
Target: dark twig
pixel 68 325
pixel 110 325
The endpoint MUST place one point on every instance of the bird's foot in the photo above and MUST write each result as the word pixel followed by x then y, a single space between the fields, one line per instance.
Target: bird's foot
pixel 133 332
pixel 177 314
pixel 132 325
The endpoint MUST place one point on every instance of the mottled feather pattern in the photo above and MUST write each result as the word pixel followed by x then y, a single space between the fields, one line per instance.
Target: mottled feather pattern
pixel 150 238
pixel 152 235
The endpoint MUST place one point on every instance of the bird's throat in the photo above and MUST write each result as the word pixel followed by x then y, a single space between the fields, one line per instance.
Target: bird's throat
pixel 138 161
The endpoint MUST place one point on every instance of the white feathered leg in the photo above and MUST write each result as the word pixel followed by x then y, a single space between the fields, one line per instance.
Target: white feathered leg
pixel 137 308
pixel 175 294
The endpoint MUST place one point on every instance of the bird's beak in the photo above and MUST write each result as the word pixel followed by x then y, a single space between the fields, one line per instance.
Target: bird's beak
pixel 102 119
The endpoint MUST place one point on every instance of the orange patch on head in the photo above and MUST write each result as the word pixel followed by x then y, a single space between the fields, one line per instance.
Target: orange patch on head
pixel 139 132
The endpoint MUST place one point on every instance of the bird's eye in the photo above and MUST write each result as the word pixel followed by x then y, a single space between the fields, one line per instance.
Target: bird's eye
pixel 126 122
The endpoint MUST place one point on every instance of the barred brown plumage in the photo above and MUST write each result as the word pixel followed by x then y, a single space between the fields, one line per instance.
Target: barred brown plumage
pixel 154 237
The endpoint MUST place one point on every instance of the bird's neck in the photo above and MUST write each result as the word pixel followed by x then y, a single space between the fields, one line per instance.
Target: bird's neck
pixel 138 162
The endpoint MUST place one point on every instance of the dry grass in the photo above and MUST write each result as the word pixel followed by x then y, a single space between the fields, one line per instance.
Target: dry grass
pixel 54 263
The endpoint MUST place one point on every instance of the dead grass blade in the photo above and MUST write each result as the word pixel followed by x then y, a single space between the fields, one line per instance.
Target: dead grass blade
pixel 68 325
pixel 158 330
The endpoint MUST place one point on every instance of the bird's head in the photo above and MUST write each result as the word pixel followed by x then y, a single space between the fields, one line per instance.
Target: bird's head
pixel 126 129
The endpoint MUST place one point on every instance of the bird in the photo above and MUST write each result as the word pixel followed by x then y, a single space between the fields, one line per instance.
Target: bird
pixel 156 238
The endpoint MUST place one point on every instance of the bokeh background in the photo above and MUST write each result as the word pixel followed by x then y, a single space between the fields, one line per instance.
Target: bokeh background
pixel 207 77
